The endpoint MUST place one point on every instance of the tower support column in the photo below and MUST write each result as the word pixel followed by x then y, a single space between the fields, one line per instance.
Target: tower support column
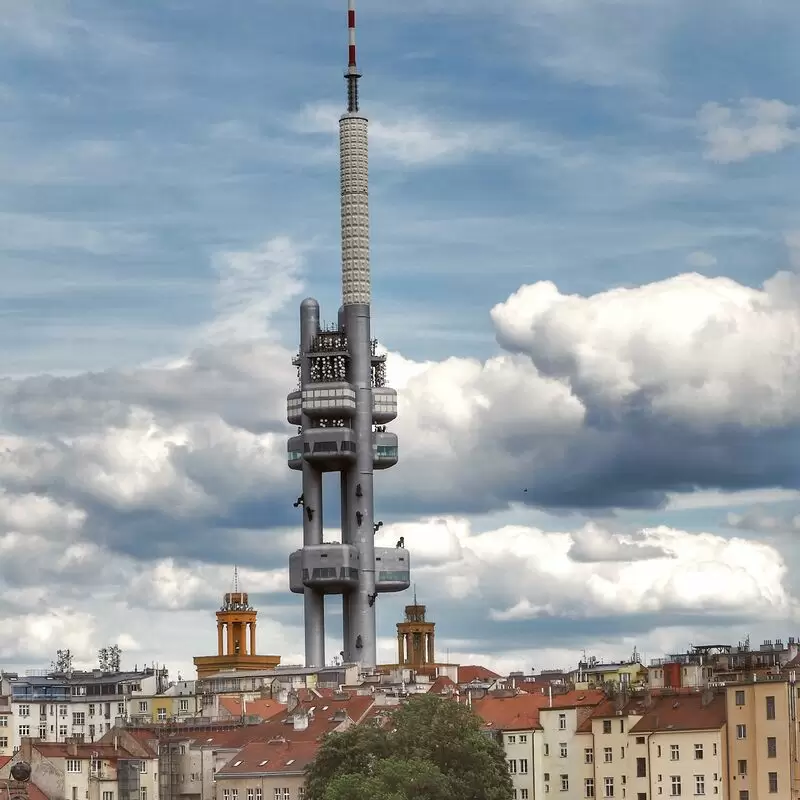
pixel 220 638
pixel 361 505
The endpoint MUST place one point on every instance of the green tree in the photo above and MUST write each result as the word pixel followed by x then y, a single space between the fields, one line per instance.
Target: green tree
pixel 432 749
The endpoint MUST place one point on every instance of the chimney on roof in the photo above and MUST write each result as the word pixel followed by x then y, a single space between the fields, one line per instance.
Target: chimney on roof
pixel 72 748
pixel 300 721
pixel 707 697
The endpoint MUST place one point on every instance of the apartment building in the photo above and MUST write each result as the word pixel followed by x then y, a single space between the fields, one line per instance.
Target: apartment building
pixel 272 770
pixel 6 727
pixel 512 719
pixel 564 751
pixel 677 748
pixel 55 707
pixel 178 701
pixel 609 726
pixel 703 665
pixel 762 738
pixel 98 771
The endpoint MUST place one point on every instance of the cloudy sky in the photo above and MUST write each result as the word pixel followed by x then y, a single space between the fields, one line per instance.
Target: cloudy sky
pixel 585 249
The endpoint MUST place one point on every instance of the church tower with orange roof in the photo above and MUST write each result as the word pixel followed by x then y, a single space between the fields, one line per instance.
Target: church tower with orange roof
pixel 236 637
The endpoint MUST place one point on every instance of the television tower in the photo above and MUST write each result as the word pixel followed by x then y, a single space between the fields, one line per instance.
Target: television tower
pixel 342 407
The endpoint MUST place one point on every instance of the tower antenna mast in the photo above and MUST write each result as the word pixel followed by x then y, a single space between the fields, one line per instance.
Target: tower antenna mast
pixel 352 75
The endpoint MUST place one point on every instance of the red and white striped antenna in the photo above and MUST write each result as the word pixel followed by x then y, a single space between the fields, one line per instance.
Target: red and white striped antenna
pixel 352 75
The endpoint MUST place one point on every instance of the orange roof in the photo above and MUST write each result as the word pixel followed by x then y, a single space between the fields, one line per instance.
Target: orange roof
pixel 4 760
pixel 443 685
pixel 262 707
pixel 683 713
pixel 270 758
pixel 471 673
pixel 519 712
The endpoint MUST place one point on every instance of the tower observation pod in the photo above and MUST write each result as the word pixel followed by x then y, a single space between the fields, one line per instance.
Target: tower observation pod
pixel 341 408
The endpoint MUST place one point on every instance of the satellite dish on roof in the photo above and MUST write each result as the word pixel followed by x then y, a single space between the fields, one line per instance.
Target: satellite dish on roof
pixel 292 701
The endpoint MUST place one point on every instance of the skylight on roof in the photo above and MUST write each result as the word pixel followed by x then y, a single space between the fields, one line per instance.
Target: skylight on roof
pixel 236 764
pixel 289 762
pixel 265 761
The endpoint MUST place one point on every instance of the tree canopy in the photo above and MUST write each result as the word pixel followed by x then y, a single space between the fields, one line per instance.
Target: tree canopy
pixel 432 749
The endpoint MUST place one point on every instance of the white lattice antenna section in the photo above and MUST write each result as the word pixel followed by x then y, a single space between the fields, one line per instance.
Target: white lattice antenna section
pixel 354 170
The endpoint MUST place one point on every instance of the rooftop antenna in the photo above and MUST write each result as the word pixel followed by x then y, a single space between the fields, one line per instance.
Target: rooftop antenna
pixel 235 578
pixel 415 594
pixel 352 75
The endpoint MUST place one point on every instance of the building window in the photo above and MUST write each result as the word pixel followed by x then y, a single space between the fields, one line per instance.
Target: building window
pixel 184 705
pixel 286 794
pixel 714 748
pixel 606 726
pixel 608 756
pixel 24 711
pixel 640 740
pixel 95 766
pixel 512 766
pixel 562 722
pixel 523 794
pixel 588 756
pixel 251 794
pixel 143 793
pixel 91 709
pixel 742 767
pixel 3 741
pixel 24 730
pixel 608 785
pixel 641 767
pixel 162 714
pixel 622 726
pixel 741 731
pixel 62 730
pixel 565 783
pixel 740 697
pixel 698 752
pixel 108 795
pixel 699 784
pixel 562 749
pixel 142 706
pixel 523 738
pixel 121 709
pixel 772 747
pixel 226 794
pixel 258 793
pixel 744 794
pixel 523 766
pixel 511 739
pixel 234 794
pixel 79 718
pixel 675 785
pixel 62 711
pixel 674 752
pixel 3 721
pixel 142 767
pixel 73 765
pixel 547 749
pixel 770 707
pixel 588 787
pixel 772 779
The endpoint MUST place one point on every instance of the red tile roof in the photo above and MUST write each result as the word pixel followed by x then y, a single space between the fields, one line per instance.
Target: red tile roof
pixel 694 712
pixel 470 673
pixel 277 756
pixel 263 708
pixel 4 760
pixel 443 685
pixel 34 792
pixel 516 713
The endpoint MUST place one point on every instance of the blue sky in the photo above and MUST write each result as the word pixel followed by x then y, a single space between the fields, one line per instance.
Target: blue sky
pixel 600 145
